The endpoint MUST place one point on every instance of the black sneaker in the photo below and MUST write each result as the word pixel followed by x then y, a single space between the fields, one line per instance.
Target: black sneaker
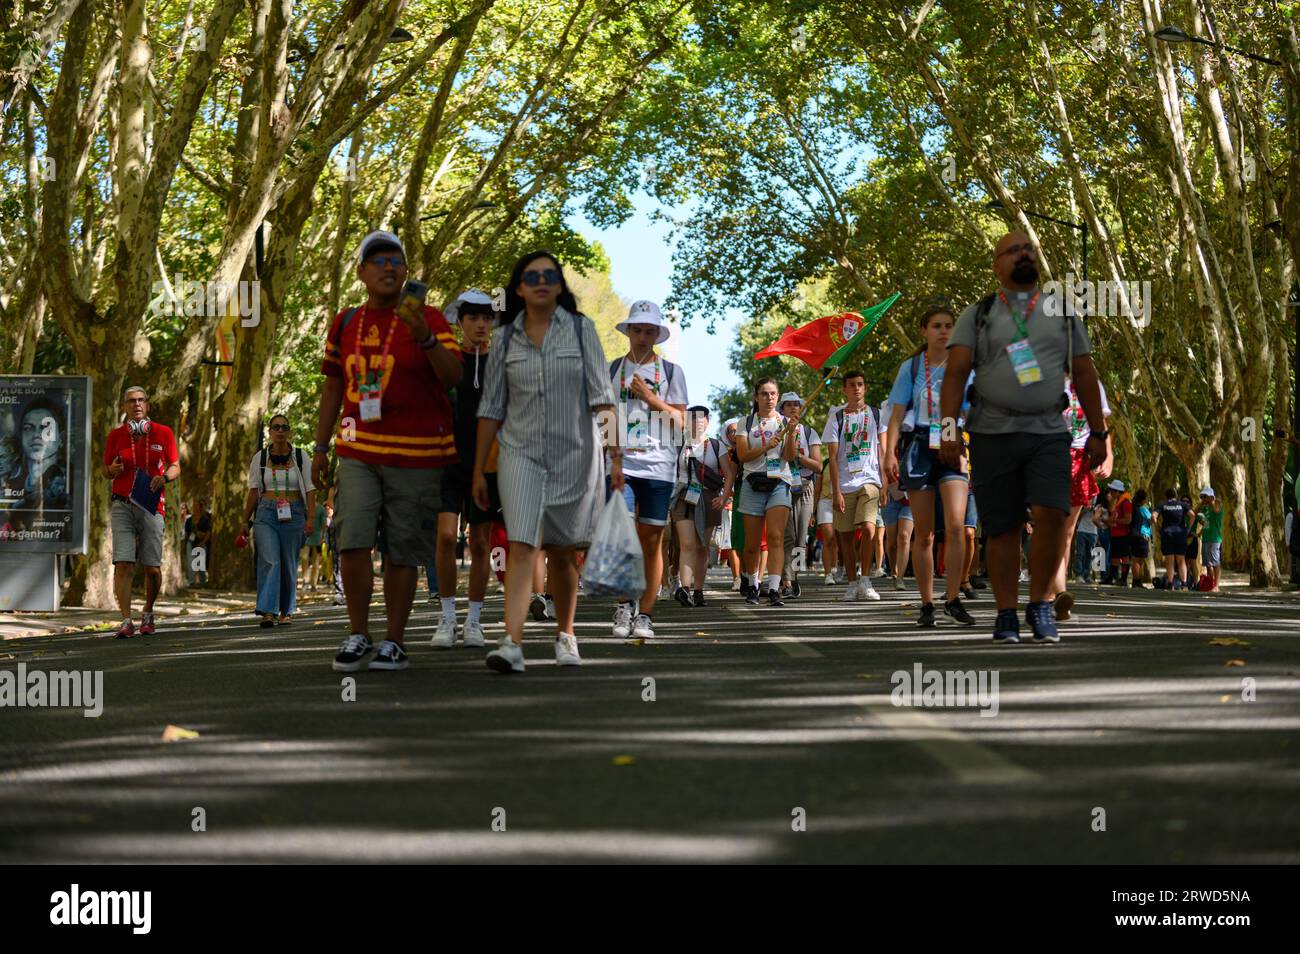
pixel 977 582
pixel 683 596
pixel 752 596
pixel 744 588
pixel 926 619
pixel 774 598
pixel 786 593
pixel 1039 617
pixel 355 648
pixel 1007 628
pixel 389 656
pixel 698 598
pixel 537 608
pixel 968 592
pixel 958 612
pixel 796 590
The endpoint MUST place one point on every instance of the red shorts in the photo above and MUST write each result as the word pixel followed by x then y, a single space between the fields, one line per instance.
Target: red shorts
pixel 1083 486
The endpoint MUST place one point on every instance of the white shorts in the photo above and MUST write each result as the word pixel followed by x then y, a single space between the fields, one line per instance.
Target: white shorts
pixel 825 511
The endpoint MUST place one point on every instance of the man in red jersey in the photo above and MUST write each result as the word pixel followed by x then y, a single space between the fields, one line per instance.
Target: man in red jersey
pixel 389 373
pixel 139 458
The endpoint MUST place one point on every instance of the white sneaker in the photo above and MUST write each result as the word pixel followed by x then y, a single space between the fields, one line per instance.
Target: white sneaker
pixel 878 572
pixel 866 591
pixel 566 650
pixel 735 585
pixel 507 657
pixel 623 621
pixel 643 628
pixel 549 610
pixel 1024 577
pixel 899 584
pixel 830 579
pixel 851 591
pixel 839 574
pixel 445 636
pixel 474 636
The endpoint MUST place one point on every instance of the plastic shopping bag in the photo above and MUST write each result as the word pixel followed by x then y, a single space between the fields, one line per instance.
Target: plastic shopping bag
pixel 614 565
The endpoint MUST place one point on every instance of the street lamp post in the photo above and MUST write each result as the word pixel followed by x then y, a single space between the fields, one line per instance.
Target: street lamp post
pixel 1171 34
pixel 997 205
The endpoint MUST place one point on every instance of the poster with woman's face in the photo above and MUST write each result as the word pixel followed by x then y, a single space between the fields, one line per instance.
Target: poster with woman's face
pixel 43 463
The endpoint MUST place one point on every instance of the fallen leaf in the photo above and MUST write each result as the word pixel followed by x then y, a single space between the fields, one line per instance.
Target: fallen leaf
pixel 1112 615
pixel 865 675
pixel 174 733
pixel 1234 662
pixel 153 670
pixel 624 760
pixel 638 641
pixel 1224 698
pixel 701 633
pixel 1226 641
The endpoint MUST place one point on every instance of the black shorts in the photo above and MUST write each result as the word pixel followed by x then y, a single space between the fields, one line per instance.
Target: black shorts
pixel 456 497
pixel 1120 547
pixel 1173 544
pixel 1193 544
pixel 1010 471
pixel 1139 547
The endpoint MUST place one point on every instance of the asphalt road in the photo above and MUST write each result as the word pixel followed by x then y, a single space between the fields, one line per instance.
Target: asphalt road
pixel 763 721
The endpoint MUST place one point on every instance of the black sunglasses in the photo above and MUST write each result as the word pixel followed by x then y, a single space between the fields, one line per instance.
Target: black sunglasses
pixel 551 276
pixel 379 261
pixel 279 427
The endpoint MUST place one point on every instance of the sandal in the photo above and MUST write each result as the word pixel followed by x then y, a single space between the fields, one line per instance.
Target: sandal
pixel 268 620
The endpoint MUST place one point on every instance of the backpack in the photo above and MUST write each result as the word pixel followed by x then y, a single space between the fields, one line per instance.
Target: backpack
pixel 261 467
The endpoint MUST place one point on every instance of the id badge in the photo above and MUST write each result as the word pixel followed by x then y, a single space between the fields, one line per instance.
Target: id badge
pixel 282 511
pixel 936 435
pixel 1022 359
pixel 775 465
pixel 856 461
pixel 370 401
pixel 693 491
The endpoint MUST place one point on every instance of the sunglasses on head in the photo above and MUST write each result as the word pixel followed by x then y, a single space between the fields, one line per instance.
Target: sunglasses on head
pixel 550 276
pixel 379 261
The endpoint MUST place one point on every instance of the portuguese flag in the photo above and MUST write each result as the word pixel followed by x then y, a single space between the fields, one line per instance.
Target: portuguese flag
pixel 828 342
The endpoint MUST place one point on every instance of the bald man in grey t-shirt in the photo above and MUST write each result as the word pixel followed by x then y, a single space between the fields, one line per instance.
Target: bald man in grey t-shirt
pixel 1020 341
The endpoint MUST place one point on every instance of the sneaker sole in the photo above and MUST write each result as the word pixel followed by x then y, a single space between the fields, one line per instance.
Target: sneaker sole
pixel 1006 640
pixel 474 644
pixel 563 662
pixel 348 667
pixel 389 666
pixel 1055 638
pixel 501 664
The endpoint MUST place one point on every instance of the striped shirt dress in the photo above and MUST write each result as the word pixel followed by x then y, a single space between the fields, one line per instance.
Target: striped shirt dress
pixel 551 473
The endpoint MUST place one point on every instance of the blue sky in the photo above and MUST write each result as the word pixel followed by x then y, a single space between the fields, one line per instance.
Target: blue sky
pixel 640 264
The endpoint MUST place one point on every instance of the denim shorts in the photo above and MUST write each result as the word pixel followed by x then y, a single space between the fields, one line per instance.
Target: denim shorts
pixel 648 498
pixel 755 504
pixel 896 510
pixel 921 468
pixel 972 514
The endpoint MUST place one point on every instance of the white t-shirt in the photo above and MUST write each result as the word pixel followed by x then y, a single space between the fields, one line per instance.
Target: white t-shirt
pixel 803 475
pixel 773 464
pixel 277 479
pixel 1076 420
pixel 858 453
pixel 648 450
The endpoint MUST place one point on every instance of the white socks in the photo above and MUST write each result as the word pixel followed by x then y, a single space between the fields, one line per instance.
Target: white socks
pixel 774 581
pixel 448 607
pixel 475 608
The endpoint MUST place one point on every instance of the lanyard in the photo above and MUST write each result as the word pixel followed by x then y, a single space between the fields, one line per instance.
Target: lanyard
pixel 364 376
pixel 863 435
pixel 1020 322
pixel 929 395
pixel 276 472
pixel 622 379
pixel 135 464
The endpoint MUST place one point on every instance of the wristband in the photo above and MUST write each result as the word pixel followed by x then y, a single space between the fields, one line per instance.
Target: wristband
pixel 429 343
pixel 1103 434
pixel 320 449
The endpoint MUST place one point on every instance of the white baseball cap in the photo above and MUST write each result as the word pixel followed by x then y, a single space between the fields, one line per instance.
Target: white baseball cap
pixel 378 239
pixel 646 313
pixel 471 296
pixel 1116 485
pixel 789 396
pixel 1207 491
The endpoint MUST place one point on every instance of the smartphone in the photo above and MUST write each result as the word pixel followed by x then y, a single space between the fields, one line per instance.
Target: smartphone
pixel 413 296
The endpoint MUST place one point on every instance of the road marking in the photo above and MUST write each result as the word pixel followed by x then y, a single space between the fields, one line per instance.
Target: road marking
pixel 971 762
pixel 792 647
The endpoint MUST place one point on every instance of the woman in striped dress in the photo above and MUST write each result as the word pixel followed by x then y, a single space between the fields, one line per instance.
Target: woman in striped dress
pixel 546 378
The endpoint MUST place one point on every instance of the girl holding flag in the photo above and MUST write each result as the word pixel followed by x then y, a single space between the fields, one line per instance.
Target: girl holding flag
pixel 916 468
pixel 766 443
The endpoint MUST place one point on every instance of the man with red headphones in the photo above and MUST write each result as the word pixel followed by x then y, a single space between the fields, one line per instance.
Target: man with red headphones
pixel 140 457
